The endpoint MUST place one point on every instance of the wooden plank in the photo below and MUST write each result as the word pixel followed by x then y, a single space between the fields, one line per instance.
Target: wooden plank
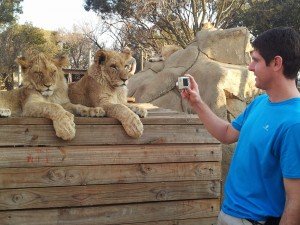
pixel 30 198
pixel 35 135
pixel 198 221
pixel 101 155
pixel 114 214
pixel 107 174
pixel 154 118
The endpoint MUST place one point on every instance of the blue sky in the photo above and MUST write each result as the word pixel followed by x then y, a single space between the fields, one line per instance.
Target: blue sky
pixel 55 14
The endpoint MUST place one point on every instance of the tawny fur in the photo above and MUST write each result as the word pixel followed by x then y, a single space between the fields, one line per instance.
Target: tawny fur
pixel 44 94
pixel 104 85
pixel 10 103
pixel 165 53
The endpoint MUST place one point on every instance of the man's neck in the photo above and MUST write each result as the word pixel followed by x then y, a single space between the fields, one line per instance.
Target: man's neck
pixel 285 89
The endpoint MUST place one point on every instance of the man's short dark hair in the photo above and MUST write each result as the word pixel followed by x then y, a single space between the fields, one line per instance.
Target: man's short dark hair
pixel 284 42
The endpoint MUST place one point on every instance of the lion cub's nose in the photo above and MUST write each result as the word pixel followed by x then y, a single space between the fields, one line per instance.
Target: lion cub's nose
pixel 124 80
pixel 47 86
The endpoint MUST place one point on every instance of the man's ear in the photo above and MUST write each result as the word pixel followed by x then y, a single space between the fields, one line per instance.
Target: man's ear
pixel 278 63
pixel 100 57
pixel 61 61
pixel 23 62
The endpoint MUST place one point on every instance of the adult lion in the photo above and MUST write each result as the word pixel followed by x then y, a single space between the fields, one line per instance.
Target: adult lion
pixel 44 94
pixel 104 85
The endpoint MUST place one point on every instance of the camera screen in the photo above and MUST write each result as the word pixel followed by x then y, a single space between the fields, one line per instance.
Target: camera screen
pixel 185 82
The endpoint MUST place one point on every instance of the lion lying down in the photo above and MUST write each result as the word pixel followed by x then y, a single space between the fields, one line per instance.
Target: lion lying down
pixel 104 85
pixel 45 94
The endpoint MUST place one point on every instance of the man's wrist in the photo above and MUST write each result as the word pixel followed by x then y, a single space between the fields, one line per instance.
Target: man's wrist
pixel 198 105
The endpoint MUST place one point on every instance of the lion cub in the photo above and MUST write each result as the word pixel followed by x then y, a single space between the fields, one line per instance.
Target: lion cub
pixel 45 94
pixel 104 85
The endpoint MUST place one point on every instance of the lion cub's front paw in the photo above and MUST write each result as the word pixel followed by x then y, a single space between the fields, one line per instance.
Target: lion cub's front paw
pixel 96 112
pixel 5 112
pixel 133 126
pixel 91 111
pixel 141 112
pixel 64 126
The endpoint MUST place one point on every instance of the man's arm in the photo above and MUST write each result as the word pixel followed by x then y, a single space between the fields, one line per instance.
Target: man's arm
pixel 291 214
pixel 220 129
pixel 217 127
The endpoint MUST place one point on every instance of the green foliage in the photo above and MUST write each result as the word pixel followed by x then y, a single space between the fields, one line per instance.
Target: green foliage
pixel 8 11
pixel 105 6
pixel 264 15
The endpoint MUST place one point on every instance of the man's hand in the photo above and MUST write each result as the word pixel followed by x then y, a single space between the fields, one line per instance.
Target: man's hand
pixel 220 129
pixel 191 94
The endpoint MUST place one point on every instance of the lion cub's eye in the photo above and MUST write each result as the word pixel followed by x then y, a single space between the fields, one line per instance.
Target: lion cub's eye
pixel 114 67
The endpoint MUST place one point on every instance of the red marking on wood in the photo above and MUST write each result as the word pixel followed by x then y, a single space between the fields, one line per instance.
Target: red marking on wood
pixel 30 159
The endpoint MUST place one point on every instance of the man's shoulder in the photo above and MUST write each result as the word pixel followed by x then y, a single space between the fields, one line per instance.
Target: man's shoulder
pixel 261 97
pixel 258 99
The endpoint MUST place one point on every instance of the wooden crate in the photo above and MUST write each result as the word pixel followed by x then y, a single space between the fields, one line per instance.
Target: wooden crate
pixel 171 175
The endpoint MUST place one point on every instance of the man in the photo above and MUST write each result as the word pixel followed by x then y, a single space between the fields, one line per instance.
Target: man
pixel 263 182
pixel 130 61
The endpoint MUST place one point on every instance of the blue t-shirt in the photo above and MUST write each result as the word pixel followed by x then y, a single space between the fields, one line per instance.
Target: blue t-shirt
pixel 267 151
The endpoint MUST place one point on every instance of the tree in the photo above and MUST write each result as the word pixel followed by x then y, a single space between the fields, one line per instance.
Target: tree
pixel 77 46
pixel 8 11
pixel 95 33
pixel 152 23
pixel 259 15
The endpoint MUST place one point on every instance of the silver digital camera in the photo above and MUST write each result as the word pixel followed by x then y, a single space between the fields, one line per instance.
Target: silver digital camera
pixel 183 82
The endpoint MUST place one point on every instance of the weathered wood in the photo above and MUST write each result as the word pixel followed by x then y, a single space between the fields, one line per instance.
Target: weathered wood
pixel 160 117
pixel 198 221
pixel 101 155
pixel 116 214
pixel 34 135
pixel 107 174
pixel 31 198
pixel 153 119
pixel 171 175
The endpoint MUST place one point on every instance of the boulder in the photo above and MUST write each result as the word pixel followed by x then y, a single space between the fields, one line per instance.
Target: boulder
pixel 217 59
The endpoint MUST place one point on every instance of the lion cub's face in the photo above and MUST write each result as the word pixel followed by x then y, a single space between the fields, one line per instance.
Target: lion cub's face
pixel 113 68
pixel 42 73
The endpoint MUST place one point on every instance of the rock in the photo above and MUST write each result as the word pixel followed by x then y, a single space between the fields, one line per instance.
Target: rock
pixel 217 59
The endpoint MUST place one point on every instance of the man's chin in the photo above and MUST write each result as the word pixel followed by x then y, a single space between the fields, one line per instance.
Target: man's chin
pixel 259 86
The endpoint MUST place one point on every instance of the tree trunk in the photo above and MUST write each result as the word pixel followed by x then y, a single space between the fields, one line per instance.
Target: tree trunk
pixel 9 81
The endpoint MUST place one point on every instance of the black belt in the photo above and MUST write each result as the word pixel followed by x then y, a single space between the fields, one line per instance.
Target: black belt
pixel 254 222
pixel 269 221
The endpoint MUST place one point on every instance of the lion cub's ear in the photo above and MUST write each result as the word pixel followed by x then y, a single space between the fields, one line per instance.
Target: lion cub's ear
pixel 23 62
pixel 100 57
pixel 61 61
